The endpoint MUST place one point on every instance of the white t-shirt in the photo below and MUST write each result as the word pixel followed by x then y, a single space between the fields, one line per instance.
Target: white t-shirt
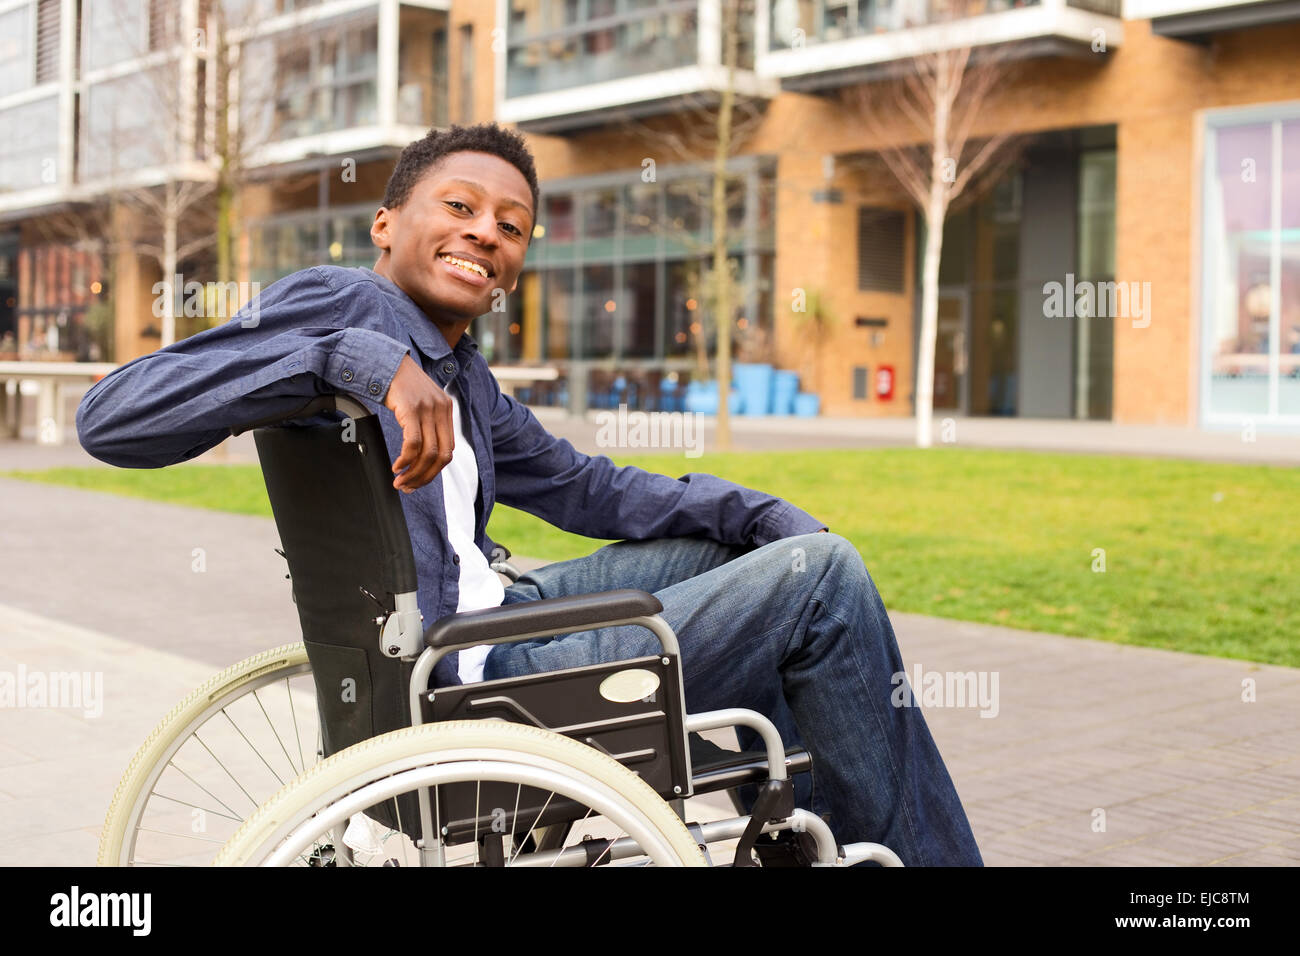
pixel 480 587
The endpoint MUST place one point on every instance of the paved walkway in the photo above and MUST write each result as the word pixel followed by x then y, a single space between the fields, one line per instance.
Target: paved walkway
pixel 1099 754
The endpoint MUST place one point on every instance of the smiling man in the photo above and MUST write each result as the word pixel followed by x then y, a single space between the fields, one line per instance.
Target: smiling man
pixel 772 611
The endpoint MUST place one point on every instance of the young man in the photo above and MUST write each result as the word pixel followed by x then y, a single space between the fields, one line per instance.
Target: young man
pixel 773 612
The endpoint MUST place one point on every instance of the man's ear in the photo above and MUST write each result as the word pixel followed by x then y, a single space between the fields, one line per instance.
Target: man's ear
pixel 379 229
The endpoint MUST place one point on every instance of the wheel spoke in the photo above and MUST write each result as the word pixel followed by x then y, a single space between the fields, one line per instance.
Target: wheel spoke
pixel 251 747
pixel 276 733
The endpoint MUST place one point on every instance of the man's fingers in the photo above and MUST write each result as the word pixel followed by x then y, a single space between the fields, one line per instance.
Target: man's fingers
pixel 412 446
pixel 444 428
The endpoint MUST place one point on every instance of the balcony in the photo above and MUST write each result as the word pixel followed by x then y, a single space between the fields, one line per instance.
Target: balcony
pixel 813 44
pixel 1199 20
pixel 358 78
pixel 571 64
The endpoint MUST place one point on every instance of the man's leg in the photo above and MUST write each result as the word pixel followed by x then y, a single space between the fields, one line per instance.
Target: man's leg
pixel 652 566
pixel 800 620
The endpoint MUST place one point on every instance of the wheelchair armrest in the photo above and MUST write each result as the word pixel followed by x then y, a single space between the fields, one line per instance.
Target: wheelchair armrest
pixel 500 625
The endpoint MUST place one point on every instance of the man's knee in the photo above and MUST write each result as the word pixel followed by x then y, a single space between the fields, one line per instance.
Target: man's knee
pixel 825 551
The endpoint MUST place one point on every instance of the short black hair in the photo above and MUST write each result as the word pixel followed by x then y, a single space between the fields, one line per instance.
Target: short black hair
pixel 421 156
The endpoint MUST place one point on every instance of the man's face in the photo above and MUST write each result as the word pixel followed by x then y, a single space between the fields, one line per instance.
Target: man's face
pixel 473 206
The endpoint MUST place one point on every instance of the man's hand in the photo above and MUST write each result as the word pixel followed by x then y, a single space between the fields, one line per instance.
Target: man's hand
pixel 424 412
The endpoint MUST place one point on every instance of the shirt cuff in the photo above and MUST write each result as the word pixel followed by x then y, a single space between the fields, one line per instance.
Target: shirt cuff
pixel 364 363
pixel 787 521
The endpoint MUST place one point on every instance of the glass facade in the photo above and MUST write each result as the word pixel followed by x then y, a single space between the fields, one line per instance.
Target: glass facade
pixel 339 236
pixel 1001 351
pixel 422 68
pixel 129 123
pixel 562 44
pixel 111 32
pixel 1251 296
pixel 613 287
pixel 304 82
pixel 796 23
pixel 30 133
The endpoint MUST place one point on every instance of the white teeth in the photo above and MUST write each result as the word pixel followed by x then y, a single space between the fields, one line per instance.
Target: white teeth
pixel 467 265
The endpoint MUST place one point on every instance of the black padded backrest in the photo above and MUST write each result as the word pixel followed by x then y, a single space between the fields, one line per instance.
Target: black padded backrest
pixel 342 529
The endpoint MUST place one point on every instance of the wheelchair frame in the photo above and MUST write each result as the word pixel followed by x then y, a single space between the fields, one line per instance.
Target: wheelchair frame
pixel 655 736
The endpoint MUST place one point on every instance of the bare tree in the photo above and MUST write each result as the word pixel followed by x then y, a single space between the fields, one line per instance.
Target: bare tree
pixel 149 119
pixel 701 127
pixel 938 94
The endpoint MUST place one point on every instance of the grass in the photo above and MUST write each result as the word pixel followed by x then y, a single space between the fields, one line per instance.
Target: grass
pixel 1203 558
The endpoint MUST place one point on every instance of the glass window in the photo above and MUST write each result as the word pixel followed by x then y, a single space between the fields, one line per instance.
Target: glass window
pixel 686 205
pixel 1289 269
pixel 301 84
pixel 637 310
pixel 600 214
pixel 559 219
pixel 560 313
pixel 1095 335
pixel 574 55
pixel 31 136
pixel 641 202
pixel 112 32
pixel 684 322
pixel 15 50
pixel 1239 212
pixel 597 312
pixel 127 123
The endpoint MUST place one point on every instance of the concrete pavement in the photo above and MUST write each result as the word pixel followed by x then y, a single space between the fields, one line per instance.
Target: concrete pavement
pixel 1097 754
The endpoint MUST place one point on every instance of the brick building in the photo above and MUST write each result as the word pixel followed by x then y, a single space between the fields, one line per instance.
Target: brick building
pixel 1160 171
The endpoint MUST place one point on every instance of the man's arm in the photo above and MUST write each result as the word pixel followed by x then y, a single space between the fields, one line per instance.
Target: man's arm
pixel 299 339
pixel 547 477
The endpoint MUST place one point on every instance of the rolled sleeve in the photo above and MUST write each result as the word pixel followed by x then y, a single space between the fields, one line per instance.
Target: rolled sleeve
pixel 302 337
pixel 364 363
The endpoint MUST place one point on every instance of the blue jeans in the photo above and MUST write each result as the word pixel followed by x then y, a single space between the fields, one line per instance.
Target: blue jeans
pixel 796 631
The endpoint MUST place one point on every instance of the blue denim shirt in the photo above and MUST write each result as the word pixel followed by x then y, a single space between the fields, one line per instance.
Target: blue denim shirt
pixel 330 329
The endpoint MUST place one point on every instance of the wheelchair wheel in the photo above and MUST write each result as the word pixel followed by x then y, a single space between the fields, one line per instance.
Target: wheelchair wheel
pixel 220 753
pixel 478 760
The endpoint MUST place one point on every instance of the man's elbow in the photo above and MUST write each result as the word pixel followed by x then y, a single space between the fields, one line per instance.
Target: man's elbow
pixel 104 436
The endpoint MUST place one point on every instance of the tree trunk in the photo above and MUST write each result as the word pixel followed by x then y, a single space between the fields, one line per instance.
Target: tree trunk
pixel 170 216
pixel 929 323
pixel 935 213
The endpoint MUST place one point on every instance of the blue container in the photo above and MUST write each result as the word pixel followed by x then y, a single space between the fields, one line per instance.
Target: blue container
pixel 702 398
pixel 806 404
pixel 755 385
pixel 784 387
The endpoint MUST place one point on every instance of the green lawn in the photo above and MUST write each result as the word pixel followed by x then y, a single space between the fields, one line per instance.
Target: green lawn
pixel 1198 557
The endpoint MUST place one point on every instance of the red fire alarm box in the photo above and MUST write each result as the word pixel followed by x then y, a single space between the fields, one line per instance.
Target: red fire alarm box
pixel 885 383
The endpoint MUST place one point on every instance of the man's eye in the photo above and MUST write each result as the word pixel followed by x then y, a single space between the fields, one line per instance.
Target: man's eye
pixel 515 228
pixel 453 202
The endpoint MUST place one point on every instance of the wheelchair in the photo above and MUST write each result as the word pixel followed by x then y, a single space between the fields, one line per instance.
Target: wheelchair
pixel 338 751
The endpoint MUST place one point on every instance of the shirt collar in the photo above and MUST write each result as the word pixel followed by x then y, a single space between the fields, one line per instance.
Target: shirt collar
pixel 423 332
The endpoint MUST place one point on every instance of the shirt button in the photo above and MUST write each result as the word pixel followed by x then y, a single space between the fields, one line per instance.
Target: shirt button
pixel 449 368
pixel 455 559
pixel 347 375
pixel 374 388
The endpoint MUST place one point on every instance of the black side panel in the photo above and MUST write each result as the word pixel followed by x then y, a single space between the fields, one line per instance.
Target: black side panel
pixel 342 529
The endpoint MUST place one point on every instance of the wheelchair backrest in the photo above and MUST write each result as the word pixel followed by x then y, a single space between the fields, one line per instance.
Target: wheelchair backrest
pixel 345 537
